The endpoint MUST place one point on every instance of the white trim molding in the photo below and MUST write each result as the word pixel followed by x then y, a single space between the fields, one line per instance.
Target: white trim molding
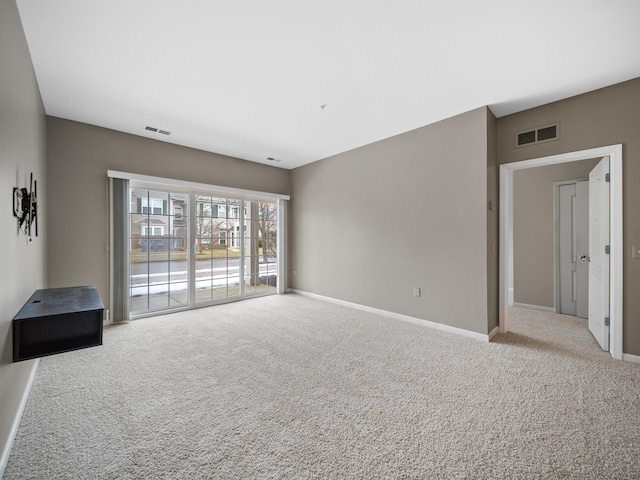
pixel 627 357
pixel 282 248
pixel 614 152
pixel 4 459
pixel 173 183
pixel 405 318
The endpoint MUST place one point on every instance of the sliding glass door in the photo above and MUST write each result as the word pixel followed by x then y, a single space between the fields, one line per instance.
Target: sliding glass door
pixel 192 248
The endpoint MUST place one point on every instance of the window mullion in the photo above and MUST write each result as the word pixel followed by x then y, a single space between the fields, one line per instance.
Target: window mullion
pixel 241 243
pixel 191 249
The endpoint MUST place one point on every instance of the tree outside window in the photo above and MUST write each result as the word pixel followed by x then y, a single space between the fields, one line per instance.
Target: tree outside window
pixel 267 223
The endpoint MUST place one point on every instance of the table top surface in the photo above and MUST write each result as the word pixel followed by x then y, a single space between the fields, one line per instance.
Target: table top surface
pixel 59 301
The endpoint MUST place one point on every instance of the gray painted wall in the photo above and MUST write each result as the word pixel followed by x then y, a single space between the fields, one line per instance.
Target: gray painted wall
pixel 79 156
pixel 533 229
pixel 602 117
pixel 370 224
pixel 22 151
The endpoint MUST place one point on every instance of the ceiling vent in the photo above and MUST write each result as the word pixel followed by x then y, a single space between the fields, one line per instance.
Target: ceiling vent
pixel 157 130
pixel 534 136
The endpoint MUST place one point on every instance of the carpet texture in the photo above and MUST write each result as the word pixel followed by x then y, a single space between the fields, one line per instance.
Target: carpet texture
pixel 292 387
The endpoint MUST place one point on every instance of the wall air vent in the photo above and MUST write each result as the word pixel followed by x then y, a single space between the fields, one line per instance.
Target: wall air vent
pixel 548 133
pixel 526 137
pixel 157 130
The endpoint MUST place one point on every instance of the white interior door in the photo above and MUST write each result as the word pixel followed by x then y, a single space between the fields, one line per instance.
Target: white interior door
pixel 572 244
pixel 598 253
pixel 567 253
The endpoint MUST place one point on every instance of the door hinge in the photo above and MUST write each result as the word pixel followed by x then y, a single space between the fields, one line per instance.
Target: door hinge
pixel 607 321
pixel 607 177
pixel 607 249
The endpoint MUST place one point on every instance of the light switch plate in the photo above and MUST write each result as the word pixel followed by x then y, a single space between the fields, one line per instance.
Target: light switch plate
pixel 636 252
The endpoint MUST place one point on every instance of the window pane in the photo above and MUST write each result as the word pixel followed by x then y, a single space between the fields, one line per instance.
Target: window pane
pixel 234 286
pixel 219 292
pixel 204 294
pixel 202 206
pixel 158 297
pixel 179 293
pixel 159 270
pixel 233 209
pixel 138 302
pixel 218 207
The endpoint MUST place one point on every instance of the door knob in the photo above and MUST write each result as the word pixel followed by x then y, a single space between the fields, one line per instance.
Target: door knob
pixel 584 258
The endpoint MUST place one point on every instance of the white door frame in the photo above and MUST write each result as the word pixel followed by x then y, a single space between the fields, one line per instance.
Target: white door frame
pixel 506 234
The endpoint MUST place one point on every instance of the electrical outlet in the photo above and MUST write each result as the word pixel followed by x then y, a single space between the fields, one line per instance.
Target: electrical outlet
pixel 416 291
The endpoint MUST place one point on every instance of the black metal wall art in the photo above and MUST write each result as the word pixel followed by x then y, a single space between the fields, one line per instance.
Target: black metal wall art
pixel 25 207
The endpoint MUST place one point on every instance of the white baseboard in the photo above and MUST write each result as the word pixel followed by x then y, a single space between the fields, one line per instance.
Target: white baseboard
pixel 406 318
pixel 534 307
pixel 627 357
pixel 16 421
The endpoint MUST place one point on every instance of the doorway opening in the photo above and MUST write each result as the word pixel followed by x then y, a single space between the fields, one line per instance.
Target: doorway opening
pixel 506 288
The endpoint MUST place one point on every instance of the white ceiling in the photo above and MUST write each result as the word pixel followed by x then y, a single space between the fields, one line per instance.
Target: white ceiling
pixel 247 78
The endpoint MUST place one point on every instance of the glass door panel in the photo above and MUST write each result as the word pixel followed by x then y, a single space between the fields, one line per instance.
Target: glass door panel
pixel 158 250
pixel 203 245
pixel 218 243
pixel 232 229
pixel 260 270
pixel 270 248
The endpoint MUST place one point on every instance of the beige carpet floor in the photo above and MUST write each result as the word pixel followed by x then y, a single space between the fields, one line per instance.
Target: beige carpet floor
pixel 288 387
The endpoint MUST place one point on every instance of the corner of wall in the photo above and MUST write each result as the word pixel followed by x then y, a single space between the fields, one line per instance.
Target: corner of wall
pixel 23 140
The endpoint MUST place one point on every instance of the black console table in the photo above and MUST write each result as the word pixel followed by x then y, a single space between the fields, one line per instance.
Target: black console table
pixel 56 320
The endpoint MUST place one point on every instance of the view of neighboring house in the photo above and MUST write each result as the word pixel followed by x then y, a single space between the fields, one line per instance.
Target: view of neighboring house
pixel 159 221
